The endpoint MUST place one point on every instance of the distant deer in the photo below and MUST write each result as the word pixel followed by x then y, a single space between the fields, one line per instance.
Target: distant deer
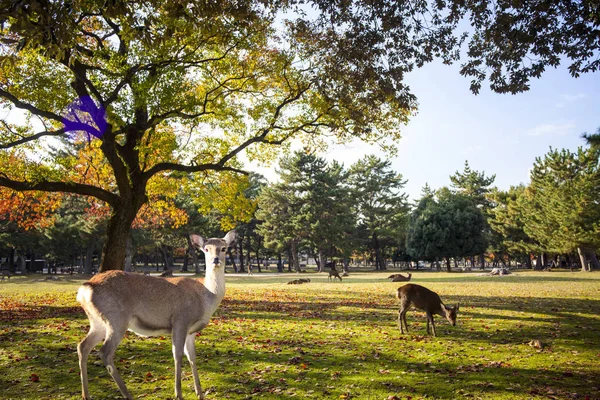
pixel 426 300
pixel 116 301
pixel 400 277
pixel 167 273
pixel 5 273
pixel 298 281
pixel 333 273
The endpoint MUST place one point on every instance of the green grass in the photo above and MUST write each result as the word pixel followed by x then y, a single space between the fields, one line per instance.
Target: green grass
pixel 327 340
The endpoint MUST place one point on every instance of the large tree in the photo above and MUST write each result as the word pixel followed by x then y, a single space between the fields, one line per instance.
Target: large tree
pixel 168 88
pixel 562 202
pixel 380 205
pixel 446 225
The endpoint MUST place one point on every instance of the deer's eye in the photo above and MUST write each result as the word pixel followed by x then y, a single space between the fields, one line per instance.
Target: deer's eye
pixel 224 249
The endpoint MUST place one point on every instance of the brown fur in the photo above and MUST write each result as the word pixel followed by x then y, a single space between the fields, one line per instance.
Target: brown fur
pixel 333 273
pixel 426 300
pixel 116 301
pixel 400 277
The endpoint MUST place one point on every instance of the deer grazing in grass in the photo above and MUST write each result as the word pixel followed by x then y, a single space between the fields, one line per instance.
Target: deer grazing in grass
pixel 116 301
pixel 426 300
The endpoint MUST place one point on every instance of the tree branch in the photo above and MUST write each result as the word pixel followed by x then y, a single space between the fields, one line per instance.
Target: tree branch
pixel 31 138
pixel 29 107
pixel 67 187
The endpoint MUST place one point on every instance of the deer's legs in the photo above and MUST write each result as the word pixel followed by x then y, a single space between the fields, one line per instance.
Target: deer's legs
pixel 190 352
pixel 179 339
pixel 430 319
pixel 94 336
pixel 402 319
pixel 114 334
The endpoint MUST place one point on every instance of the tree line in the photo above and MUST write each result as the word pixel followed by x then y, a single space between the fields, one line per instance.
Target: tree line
pixel 334 213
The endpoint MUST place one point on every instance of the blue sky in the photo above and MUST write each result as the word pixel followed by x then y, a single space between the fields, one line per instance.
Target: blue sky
pixel 497 134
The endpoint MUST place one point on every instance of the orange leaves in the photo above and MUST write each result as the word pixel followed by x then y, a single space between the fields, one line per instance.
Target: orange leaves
pixel 30 209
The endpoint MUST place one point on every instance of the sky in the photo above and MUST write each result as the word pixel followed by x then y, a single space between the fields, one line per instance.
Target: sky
pixel 498 134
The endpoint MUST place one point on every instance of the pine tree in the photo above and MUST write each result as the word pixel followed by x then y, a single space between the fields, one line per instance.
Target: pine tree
pixel 562 202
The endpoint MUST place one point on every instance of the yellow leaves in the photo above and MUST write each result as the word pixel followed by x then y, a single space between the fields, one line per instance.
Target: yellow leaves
pixel 160 213
pixel 224 193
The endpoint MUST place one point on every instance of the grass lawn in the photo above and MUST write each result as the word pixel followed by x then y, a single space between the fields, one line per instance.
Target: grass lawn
pixel 324 340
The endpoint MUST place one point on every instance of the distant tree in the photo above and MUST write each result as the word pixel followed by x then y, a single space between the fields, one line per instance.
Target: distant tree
pixel 562 202
pixel 448 227
pixel 593 139
pixel 473 184
pixel 380 204
pixel 476 186
pixel 507 220
pixel 311 197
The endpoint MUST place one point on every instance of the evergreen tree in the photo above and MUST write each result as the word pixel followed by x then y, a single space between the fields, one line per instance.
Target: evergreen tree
pixel 507 221
pixel 562 206
pixel 380 205
pixel 476 186
pixel 448 227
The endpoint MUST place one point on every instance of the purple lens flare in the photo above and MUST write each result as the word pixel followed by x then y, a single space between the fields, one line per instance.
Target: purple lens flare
pixel 84 115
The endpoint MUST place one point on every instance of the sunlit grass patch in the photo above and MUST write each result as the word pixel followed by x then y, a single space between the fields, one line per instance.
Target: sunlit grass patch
pixel 327 340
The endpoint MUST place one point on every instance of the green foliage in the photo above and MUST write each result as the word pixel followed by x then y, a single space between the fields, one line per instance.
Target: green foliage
pixel 562 200
pixel 450 226
pixel 507 218
pixel 380 204
pixel 309 204
pixel 473 184
pixel 326 341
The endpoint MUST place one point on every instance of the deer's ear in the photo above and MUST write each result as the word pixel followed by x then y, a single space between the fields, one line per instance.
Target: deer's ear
pixel 231 238
pixel 197 241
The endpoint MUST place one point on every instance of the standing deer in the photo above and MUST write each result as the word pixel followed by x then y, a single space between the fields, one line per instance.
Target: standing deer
pixel 333 273
pixel 426 300
pixel 116 301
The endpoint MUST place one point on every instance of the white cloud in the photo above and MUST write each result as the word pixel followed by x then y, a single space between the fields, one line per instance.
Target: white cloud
pixel 559 129
pixel 570 98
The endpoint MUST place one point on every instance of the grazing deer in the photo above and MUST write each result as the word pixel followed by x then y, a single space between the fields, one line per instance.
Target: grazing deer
pixel 5 273
pixel 426 300
pixel 167 273
pixel 333 273
pixel 400 277
pixel 116 301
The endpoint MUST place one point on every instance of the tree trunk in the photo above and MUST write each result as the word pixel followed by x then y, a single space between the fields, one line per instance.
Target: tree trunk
pixel 89 254
pixel 235 268
pixel 129 253
pixel 378 262
pixel 448 264
pixel 290 258
pixel 186 257
pixel 12 266
pixel 594 261
pixel 583 258
pixel 115 248
pixel 294 254
pixel 346 265
pixel 248 253
pixel 192 251
pixel 241 249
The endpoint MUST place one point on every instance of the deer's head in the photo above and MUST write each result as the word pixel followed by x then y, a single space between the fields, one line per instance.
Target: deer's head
pixel 451 313
pixel 215 249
